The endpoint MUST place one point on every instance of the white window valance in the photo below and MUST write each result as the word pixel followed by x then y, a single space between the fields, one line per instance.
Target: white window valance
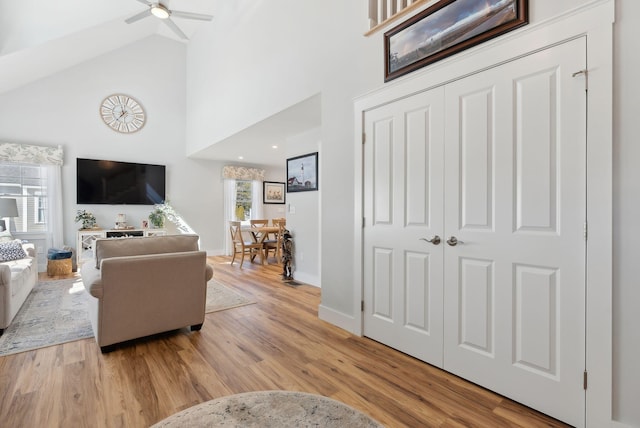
pixel 27 153
pixel 242 173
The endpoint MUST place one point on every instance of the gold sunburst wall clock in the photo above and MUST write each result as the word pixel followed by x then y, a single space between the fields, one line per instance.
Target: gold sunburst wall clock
pixel 122 113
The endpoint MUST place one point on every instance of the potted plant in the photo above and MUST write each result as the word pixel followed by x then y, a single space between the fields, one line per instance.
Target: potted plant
pixel 88 219
pixel 156 218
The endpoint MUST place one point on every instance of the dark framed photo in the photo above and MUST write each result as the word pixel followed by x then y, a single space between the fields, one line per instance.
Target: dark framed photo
pixel 273 192
pixel 446 28
pixel 302 173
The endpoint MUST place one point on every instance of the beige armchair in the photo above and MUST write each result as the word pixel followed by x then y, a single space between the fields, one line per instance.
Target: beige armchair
pixel 143 286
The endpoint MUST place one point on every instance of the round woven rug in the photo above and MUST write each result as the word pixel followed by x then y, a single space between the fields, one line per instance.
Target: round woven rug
pixel 270 409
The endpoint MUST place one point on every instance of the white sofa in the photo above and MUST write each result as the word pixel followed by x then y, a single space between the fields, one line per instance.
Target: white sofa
pixel 17 279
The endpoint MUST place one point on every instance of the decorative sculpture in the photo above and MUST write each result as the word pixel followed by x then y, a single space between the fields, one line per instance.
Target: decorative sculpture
pixel 287 255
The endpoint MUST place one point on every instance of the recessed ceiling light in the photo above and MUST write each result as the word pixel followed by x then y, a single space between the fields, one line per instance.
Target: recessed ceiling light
pixel 274 147
pixel 240 157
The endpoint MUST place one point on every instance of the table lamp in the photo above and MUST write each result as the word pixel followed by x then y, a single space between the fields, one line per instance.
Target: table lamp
pixel 8 208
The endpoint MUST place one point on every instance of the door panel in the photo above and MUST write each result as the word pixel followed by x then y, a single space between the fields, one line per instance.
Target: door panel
pixel 382 156
pixel 417 298
pixel 383 284
pixel 476 319
pixel 476 158
pixel 403 203
pixel 533 155
pixel 536 151
pixel 417 167
pixel 535 304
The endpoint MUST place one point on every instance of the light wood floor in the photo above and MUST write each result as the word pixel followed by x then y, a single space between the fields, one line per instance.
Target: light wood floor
pixel 277 343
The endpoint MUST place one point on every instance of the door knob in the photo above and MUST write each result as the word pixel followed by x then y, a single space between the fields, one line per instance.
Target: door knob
pixel 453 241
pixel 435 240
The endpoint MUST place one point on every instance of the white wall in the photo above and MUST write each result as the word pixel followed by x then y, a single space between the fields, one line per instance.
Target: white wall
pixel 626 212
pixel 303 214
pixel 275 174
pixel 266 56
pixel 64 109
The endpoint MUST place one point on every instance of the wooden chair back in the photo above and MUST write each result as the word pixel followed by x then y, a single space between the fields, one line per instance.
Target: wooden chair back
pixel 278 221
pixel 236 233
pixel 259 222
pixel 276 244
pixel 241 246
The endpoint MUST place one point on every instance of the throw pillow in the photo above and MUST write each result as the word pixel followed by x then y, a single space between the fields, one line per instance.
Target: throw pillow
pixel 11 251
pixel 5 236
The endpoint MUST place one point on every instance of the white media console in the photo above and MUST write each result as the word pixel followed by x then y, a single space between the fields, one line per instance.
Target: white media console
pixel 86 238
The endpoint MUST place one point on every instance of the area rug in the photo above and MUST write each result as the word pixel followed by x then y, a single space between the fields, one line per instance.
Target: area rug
pixel 221 297
pixel 54 312
pixel 270 409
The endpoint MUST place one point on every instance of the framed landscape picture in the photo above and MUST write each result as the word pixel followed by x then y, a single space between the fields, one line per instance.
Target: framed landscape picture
pixel 446 28
pixel 273 192
pixel 302 173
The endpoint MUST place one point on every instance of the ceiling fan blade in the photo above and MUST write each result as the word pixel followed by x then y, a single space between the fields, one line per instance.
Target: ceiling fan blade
pixel 189 15
pixel 175 28
pixel 145 2
pixel 138 16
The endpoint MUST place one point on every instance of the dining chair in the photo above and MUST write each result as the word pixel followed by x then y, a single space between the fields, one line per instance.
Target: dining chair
pixel 268 241
pixel 278 220
pixel 276 244
pixel 241 246
pixel 258 223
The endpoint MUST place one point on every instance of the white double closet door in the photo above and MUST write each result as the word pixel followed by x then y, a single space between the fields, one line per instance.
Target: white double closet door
pixel 497 162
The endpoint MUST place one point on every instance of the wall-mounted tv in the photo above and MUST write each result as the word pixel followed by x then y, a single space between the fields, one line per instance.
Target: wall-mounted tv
pixel 114 183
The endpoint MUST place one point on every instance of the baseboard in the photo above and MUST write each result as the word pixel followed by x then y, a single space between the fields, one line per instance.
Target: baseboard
pixel 339 319
pixel 219 252
pixel 307 279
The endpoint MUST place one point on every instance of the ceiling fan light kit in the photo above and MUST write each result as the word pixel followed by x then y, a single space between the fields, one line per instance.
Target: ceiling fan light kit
pixel 160 11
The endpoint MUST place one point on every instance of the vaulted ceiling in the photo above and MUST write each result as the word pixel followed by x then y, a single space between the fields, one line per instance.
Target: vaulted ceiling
pixel 38 37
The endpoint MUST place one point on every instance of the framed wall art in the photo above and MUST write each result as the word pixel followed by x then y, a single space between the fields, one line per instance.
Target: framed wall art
pixel 273 192
pixel 446 28
pixel 302 173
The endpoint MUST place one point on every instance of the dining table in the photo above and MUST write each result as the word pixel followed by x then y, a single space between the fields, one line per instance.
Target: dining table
pixel 259 235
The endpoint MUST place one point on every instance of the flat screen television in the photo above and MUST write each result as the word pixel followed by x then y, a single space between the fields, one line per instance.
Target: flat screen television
pixel 116 183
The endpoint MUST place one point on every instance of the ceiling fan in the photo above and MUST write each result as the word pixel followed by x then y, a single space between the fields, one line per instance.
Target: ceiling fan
pixel 162 12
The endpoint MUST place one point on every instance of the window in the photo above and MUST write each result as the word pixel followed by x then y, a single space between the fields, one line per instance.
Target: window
pixel 40 213
pixel 244 200
pixel 27 184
